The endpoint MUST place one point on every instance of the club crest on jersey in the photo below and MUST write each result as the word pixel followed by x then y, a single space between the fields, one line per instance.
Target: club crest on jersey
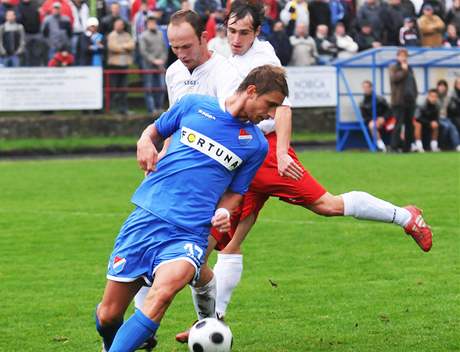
pixel 245 137
pixel 211 148
pixel 118 264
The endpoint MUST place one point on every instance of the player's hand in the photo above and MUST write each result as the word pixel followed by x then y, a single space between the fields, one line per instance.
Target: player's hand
pixel 147 154
pixel 221 220
pixel 288 167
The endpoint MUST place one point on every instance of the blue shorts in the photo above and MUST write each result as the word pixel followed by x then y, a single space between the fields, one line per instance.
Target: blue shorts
pixel 146 242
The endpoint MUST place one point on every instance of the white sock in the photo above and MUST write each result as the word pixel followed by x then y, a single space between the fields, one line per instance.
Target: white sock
pixel 434 145
pixel 362 205
pixel 228 271
pixel 419 144
pixel 140 297
pixel 381 145
pixel 204 299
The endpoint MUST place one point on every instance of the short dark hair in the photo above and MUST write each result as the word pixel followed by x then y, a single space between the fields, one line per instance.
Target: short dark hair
pixel 266 78
pixel 368 82
pixel 442 82
pixel 433 90
pixel 190 17
pixel 241 8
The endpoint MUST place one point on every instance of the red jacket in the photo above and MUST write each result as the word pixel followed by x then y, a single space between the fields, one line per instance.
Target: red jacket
pixel 60 60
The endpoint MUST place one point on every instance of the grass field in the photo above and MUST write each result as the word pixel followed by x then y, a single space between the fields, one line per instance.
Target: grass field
pixel 341 284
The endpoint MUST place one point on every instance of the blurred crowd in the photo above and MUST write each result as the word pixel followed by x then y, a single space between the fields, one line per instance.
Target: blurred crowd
pixel 132 33
pixel 62 32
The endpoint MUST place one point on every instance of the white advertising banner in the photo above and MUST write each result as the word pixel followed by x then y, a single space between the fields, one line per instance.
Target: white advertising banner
pixel 50 88
pixel 313 86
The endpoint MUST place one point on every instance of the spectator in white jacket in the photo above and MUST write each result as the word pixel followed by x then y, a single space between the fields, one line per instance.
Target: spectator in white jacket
pixel 304 51
pixel 80 13
pixel 346 45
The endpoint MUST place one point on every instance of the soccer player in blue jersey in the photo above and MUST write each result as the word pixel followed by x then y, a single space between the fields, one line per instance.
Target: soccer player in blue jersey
pixel 214 153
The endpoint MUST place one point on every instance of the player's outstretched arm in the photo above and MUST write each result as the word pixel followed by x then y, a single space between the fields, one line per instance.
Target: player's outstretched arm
pixel 147 154
pixel 227 205
pixel 283 125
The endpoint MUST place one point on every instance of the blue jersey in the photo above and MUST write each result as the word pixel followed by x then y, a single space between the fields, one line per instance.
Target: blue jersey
pixel 210 151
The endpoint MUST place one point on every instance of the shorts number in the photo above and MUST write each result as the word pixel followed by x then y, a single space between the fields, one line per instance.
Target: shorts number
pixel 192 249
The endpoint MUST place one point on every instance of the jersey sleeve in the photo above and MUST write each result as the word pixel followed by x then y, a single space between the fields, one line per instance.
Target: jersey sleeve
pixel 245 174
pixel 169 121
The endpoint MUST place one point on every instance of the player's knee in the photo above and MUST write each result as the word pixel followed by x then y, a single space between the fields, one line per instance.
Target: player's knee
pixel 328 205
pixel 108 315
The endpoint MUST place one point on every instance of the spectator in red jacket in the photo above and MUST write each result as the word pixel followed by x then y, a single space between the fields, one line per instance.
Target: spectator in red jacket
pixel 62 58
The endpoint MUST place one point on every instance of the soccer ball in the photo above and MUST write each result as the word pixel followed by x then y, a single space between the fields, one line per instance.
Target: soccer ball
pixel 210 335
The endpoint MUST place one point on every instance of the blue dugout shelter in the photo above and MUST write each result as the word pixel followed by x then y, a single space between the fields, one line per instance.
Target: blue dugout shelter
pixel 429 65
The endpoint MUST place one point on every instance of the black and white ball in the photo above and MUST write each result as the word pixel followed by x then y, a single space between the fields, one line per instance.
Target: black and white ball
pixel 210 335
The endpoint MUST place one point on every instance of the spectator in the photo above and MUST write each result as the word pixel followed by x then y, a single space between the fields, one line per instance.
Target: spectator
pixel 167 7
pixel 382 113
pixel 370 13
pixel 427 117
pixel 366 38
pixel 266 26
pixel 439 9
pixel 392 16
pixel 100 9
pixel 408 34
pixel 120 46
pixel 294 12
pixel 403 99
pixel 451 40
pixel 304 51
pixel 137 4
pixel 280 42
pixel 219 43
pixel 12 40
pixel 205 8
pixel 409 8
pixel 125 8
pixel 453 108
pixel 139 25
pixel 327 48
pixel 62 58
pixel 449 132
pixel 47 9
pixel 320 13
pixel 453 16
pixel 431 28
pixel 35 53
pixel 337 12
pixel 106 25
pixel 57 30
pixel 154 54
pixel 272 9
pixel 6 5
pixel 346 46
pixel 80 12
pixel 92 44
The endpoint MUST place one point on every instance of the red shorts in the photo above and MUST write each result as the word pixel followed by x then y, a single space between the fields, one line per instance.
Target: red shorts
pixel 268 183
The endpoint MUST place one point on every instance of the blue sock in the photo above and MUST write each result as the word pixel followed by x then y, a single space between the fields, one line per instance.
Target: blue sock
pixel 133 333
pixel 107 332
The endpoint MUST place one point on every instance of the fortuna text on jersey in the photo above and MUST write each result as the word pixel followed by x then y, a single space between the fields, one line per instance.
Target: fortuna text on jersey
pixel 211 148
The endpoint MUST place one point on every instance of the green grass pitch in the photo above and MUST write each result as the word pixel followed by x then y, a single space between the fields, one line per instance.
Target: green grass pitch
pixel 310 283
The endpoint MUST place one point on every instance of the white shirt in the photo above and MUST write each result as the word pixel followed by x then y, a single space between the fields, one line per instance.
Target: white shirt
pixel 216 77
pixel 260 53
